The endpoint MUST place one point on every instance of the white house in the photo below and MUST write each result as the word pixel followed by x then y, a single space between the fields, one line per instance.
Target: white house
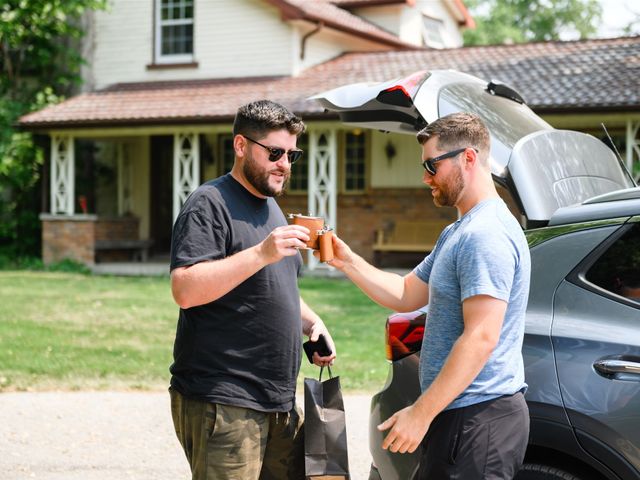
pixel 165 77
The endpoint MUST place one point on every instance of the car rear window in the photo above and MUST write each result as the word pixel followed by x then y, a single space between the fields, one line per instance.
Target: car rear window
pixel 507 120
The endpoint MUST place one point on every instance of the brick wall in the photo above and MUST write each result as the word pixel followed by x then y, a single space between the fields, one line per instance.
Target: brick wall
pixel 359 216
pixel 68 237
pixel 117 228
pixel 73 237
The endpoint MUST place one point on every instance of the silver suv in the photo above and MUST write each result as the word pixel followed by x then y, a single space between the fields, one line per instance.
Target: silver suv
pixel 581 213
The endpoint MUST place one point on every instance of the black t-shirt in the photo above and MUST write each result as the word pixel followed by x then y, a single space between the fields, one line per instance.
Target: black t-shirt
pixel 242 349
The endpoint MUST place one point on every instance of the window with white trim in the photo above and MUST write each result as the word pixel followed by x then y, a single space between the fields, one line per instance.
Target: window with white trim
pixel 432 32
pixel 174 31
pixel 355 161
pixel 226 152
pixel 299 180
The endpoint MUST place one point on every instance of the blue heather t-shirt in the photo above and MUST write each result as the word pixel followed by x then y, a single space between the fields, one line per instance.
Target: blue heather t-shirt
pixel 484 253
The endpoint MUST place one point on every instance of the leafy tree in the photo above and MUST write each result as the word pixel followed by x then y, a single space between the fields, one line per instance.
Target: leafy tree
pixel 633 24
pixel 519 21
pixel 39 64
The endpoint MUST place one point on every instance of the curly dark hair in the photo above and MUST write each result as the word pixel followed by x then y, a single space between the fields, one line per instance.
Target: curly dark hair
pixel 259 118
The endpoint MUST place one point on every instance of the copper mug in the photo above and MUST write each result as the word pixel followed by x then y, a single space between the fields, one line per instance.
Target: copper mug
pixel 314 224
pixel 325 239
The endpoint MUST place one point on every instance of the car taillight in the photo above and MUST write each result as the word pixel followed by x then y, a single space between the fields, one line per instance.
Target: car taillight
pixel 404 334
pixel 401 94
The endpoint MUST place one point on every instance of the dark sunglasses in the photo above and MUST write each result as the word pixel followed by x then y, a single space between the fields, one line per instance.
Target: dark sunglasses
pixel 275 153
pixel 430 163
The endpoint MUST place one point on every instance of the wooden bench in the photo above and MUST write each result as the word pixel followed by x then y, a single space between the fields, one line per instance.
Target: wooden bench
pixel 409 236
pixel 139 249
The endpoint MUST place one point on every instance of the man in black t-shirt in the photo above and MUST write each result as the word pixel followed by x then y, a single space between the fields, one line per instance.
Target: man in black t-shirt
pixel 234 269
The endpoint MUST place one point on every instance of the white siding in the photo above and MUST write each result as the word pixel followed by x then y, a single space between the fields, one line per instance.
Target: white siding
pixel 232 39
pixel 451 31
pixel 122 42
pixel 327 44
pixel 404 170
pixel 243 38
pixel 406 21
pixel 387 17
pixel 237 38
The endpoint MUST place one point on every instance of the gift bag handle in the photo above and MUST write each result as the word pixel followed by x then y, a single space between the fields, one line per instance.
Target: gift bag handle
pixel 329 369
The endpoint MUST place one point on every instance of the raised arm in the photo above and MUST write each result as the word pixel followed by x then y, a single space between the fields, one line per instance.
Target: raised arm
pixel 388 289
pixel 205 282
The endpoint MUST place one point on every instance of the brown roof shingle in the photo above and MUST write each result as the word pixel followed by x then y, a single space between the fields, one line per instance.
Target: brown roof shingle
pixel 574 76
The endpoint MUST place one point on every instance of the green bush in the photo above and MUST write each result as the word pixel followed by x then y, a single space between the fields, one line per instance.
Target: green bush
pixel 69 266
pixel 32 263
pixel 10 261
pixel 40 64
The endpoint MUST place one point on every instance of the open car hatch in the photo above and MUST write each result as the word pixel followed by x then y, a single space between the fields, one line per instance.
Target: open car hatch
pixel 543 168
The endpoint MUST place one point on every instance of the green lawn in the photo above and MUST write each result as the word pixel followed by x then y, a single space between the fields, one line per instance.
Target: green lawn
pixel 73 331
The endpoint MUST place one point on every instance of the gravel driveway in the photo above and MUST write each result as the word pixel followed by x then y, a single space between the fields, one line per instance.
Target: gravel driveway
pixel 116 435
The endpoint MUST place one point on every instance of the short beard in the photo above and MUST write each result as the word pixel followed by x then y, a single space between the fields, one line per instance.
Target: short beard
pixel 260 178
pixel 448 197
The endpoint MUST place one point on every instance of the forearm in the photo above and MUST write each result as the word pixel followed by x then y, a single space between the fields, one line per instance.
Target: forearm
pixel 467 358
pixel 385 288
pixel 205 282
pixel 313 327
pixel 309 317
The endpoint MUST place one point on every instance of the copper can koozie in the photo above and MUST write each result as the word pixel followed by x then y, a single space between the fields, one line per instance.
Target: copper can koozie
pixel 313 224
pixel 325 238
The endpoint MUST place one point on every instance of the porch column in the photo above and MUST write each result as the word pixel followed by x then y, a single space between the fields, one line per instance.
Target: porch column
pixel 186 168
pixel 322 191
pixel 633 146
pixel 125 179
pixel 62 175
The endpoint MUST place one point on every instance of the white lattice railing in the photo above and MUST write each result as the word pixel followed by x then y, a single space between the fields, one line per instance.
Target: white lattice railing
pixel 62 175
pixel 186 168
pixel 322 193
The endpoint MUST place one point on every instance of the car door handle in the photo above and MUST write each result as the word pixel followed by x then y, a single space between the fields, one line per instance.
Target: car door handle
pixel 612 367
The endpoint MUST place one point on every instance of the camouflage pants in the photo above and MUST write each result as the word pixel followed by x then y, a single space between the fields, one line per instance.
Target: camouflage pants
pixel 223 442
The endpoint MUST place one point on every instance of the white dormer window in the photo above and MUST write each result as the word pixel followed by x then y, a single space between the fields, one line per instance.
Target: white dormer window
pixel 432 29
pixel 174 31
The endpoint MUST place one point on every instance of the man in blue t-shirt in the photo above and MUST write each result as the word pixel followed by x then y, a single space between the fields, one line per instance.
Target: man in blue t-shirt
pixel 471 417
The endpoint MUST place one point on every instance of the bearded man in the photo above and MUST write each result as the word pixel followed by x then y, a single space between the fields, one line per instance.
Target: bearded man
pixel 471 418
pixel 234 269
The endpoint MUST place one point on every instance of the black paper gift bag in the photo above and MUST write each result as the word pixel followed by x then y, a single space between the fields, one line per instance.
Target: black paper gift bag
pixel 325 432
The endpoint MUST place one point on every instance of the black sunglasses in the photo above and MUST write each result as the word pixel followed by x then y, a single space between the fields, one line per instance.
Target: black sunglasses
pixel 275 153
pixel 430 163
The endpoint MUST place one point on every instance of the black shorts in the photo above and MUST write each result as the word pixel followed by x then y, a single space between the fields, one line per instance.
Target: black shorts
pixel 483 441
